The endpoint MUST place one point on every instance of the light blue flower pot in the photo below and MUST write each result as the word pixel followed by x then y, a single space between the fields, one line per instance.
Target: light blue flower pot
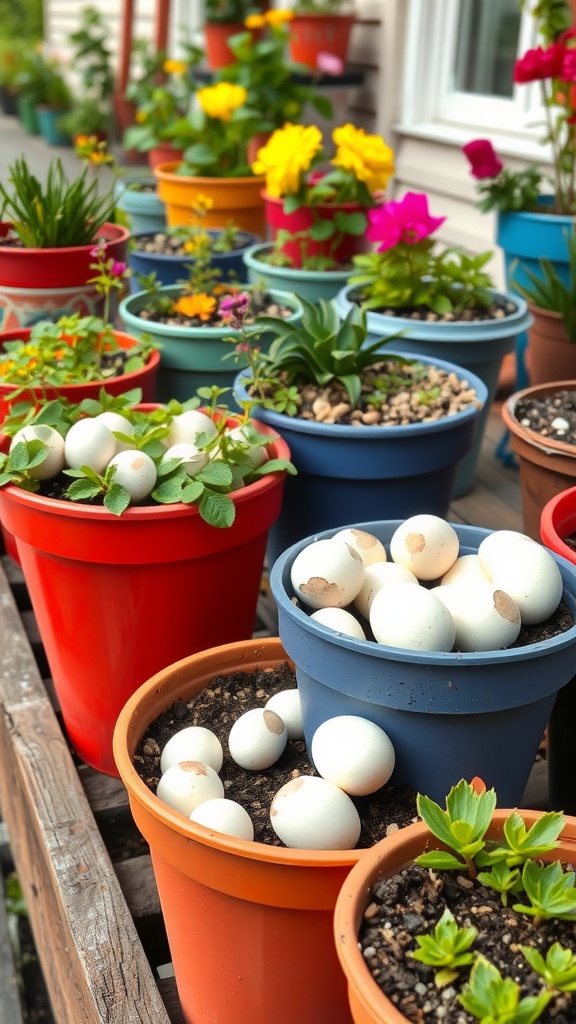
pixel 478 346
pixel 306 284
pixel 449 715
pixel 145 210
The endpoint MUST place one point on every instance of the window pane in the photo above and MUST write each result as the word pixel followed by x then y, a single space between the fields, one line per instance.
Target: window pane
pixel 486 47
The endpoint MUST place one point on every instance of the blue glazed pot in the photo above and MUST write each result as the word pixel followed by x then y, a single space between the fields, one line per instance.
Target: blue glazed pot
pixel 448 715
pixel 478 346
pixel 191 357
pixel 171 270
pixel 345 471
pixel 145 210
pixel 307 284
pixel 48 123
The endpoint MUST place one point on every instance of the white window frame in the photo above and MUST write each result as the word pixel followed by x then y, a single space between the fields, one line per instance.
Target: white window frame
pixel 431 109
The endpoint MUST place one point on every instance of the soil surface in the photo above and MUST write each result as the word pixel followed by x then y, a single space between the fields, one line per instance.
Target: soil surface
pixel 261 305
pixel 552 416
pixel 411 902
pixel 162 243
pixel 498 310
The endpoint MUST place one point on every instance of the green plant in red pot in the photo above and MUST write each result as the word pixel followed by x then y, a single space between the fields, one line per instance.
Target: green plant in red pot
pixel 141 532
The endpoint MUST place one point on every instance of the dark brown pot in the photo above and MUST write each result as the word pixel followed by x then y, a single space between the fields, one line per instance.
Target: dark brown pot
pixel 546 466
pixel 551 354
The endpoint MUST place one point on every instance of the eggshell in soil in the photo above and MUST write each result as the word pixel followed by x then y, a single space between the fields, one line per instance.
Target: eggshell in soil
pixel 353 753
pixel 425 544
pixel 340 620
pixel 286 703
pixel 89 443
pixel 327 574
pixel 414 618
pixel 369 547
pixel 378 575
pixel 224 816
pixel 194 743
pixel 531 576
pixel 55 459
pixel 257 739
pixel 187 784
pixel 310 813
pixel 486 619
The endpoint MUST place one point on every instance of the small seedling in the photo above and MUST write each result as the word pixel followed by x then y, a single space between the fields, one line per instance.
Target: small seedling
pixel 447 949
pixel 496 1000
pixel 558 969
pixel 550 890
pixel 462 826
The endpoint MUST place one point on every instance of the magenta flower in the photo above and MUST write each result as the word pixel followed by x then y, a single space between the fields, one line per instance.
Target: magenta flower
pixel 405 221
pixel 118 269
pixel 483 160
pixel 235 303
pixel 539 64
pixel 329 63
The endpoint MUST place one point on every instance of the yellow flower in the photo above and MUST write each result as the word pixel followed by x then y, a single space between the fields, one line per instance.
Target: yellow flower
pixel 202 204
pixel 278 17
pixel 200 305
pixel 254 21
pixel 5 367
pixel 367 157
pixel 82 140
pixel 220 100
pixel 286 157
pixel 174 67
pixel 197 243
pixel 141 116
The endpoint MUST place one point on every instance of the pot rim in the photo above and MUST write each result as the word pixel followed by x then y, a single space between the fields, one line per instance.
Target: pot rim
pixel 166 172
pixel 297 273
pixel 115 233
pixel 549 446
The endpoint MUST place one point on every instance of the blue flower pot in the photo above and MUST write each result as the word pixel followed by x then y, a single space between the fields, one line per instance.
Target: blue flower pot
pixel 345 471
pixel 478 346
pixel 48 123
pixel 449 716
pixel 307 284
pixel 145 210
pixel 171 270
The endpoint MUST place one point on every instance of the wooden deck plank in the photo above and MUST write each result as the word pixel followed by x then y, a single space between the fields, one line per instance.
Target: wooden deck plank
pixel 10 1004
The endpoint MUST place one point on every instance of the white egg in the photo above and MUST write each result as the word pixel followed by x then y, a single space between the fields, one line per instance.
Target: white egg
pixel 425 544
pixel 353 753
pixel 224 816
pixel 256 453
pixel 286 703
pixel 530 574
pixel 257 739
pixel 136 472
pixel 466 569
pixel 486 619
pixel 89 442
pixel 327 574
pixel 194 743
pixel 188 425
pixel 340 620
pixel 187 784
pixel 378 575
pixel 403 615
pixel 54 461
pixel 115 422
pixel 365 544
pixel 496 546
pixel 310 813
pixel 194 459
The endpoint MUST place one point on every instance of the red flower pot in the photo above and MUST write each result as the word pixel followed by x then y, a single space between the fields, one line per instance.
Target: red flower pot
pixel 163 153
pixel 301 220
pixel 216 36
pixel 117 598
pixel 311 34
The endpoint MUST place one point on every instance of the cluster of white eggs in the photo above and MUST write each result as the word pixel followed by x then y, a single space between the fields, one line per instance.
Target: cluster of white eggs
pixel 352 755
pixel 426 596
pixel 101 441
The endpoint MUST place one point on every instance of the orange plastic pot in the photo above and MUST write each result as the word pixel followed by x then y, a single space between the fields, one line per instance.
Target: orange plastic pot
pixel 311 34
pixel 117 598
pixel 249 925
pixel 368 1003
pixel 234 199
pixel 216 36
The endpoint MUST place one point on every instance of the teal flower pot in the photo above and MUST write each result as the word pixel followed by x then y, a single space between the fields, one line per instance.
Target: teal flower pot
pixel 144 209
pixel 191 357
pixel 27 113
pixel 48 118
pixel 449 715
pixel 478 346
pixel 307 284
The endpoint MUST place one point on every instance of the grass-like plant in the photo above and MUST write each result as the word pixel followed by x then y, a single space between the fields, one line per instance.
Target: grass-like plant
pixel 547 290
pixel 57 214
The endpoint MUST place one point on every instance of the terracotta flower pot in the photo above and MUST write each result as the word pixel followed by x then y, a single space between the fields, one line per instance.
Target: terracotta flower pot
pixel 163 153
pixel 234 199
pixel 311 34
pixel 119 597
pixel 546 466
pixel 249 925
pixel 551 354
pixel 368 1003
pixel 216 36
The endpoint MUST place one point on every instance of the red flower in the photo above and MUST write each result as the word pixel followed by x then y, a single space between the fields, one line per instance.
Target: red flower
pixel 568 70
pixel 538 64
pixel 483 160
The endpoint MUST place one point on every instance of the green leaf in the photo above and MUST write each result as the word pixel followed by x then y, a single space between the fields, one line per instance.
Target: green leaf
pixel 217 473
pixel 439 860
pixel 322 230
pixel 83 490
pixel 217 509
pixel 117 499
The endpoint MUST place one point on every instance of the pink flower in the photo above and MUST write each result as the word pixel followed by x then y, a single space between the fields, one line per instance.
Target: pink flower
pixel 568 71
pixel 234 303
pixel 483 160
pixel 406 221
pixel 329 63
pixel 538 64
pixel 118 269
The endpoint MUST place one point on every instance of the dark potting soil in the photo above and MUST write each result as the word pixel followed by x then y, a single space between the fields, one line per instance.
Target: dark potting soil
pixel 412 901
pixel 552 416
pixel 497 310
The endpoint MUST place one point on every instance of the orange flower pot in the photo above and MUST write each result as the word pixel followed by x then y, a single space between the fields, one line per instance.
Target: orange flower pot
pixel 233 199
pixel 311 34
pixel 216 36
pixel 249 925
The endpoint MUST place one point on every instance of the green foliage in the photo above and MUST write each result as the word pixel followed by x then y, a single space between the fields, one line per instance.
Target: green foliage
pixel 59 213
pixel 547 289
pixel 319 349
pixel 321 6
pixel 447 949
pixel 15 467
pixel 229 11
pixel 86 117
pixel 409 276
pixel 162 93
pixel 42 80
pixel 552 17
pixel 520 843
pixel 502 879
pixel 558 969
pixel 91 56
pixel 22 20
pixel 496 1000
pixel 550 890
pixel 511 190
pixel 462 826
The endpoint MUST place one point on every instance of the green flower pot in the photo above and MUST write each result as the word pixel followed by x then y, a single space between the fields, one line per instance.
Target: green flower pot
pixel 306 284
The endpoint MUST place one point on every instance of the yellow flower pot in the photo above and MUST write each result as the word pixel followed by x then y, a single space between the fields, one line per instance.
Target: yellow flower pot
pixel 233 199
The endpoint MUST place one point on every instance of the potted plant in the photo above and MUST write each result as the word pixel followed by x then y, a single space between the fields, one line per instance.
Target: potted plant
pixel 320 26
pixel 368 430
pixel 484 709
pixel 516 860
pixel 194 322
pixel 45 258
pixel 91 110
pixel 322 216
pixel 134 517
pixel 53 98
pixel 442 300
pixel 223 19
pixel 215 162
